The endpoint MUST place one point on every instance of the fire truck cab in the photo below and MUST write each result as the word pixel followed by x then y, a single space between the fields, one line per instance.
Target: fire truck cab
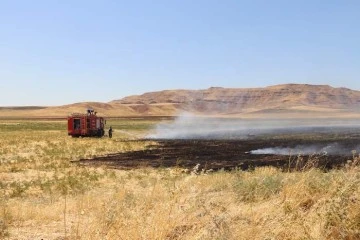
pixel 86 125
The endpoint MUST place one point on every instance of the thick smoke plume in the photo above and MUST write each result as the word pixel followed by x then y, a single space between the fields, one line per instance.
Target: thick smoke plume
pixel 188 126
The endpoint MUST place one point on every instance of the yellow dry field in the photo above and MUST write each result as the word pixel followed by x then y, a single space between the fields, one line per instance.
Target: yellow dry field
pixel 45 196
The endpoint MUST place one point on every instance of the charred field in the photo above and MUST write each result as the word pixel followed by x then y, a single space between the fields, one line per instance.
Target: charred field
pixel 325 148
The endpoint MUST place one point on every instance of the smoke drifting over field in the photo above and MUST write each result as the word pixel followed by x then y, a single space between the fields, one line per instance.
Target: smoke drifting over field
pixel 330 149
pixel 188 126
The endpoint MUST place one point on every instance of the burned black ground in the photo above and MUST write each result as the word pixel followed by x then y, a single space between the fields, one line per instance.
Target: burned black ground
pixel 234 153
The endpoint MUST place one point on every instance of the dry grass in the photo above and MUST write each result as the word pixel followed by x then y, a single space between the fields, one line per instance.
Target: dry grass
pixel 44 196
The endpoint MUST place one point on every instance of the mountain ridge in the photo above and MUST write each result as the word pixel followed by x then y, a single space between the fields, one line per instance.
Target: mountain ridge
pixel 276 99
pixel 277 96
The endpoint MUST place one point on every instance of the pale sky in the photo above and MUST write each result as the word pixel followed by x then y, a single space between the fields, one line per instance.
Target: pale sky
pixel 61 52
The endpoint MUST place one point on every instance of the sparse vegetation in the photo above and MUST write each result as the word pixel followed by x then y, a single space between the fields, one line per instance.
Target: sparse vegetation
pixel 44 195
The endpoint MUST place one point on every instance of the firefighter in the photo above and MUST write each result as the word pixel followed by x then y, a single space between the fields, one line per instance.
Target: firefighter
pixel 110 132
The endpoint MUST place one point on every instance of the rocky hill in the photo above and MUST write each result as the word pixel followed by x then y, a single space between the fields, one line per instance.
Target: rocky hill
pixel 278 99
pixel 215 100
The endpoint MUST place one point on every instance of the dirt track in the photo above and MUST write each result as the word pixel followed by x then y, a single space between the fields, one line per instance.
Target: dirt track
pixel 230 154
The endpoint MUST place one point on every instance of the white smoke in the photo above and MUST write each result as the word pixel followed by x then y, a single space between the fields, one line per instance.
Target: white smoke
pixel 189 126
pixel 330 149
pixel 275 151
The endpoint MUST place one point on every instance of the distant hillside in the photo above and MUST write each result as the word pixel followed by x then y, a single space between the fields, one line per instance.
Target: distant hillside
pixel 22 108
pixel 287 99
pixel 244 100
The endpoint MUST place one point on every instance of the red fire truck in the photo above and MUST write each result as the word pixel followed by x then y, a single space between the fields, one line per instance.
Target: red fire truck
pixel 86 125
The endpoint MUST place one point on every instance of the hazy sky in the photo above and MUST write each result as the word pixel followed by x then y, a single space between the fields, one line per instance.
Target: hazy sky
pixel 59 52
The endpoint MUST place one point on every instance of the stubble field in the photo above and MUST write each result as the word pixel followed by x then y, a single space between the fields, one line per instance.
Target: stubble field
pixel 47 193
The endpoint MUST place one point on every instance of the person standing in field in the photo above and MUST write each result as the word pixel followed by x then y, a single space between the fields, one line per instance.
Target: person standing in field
pixel 110 132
